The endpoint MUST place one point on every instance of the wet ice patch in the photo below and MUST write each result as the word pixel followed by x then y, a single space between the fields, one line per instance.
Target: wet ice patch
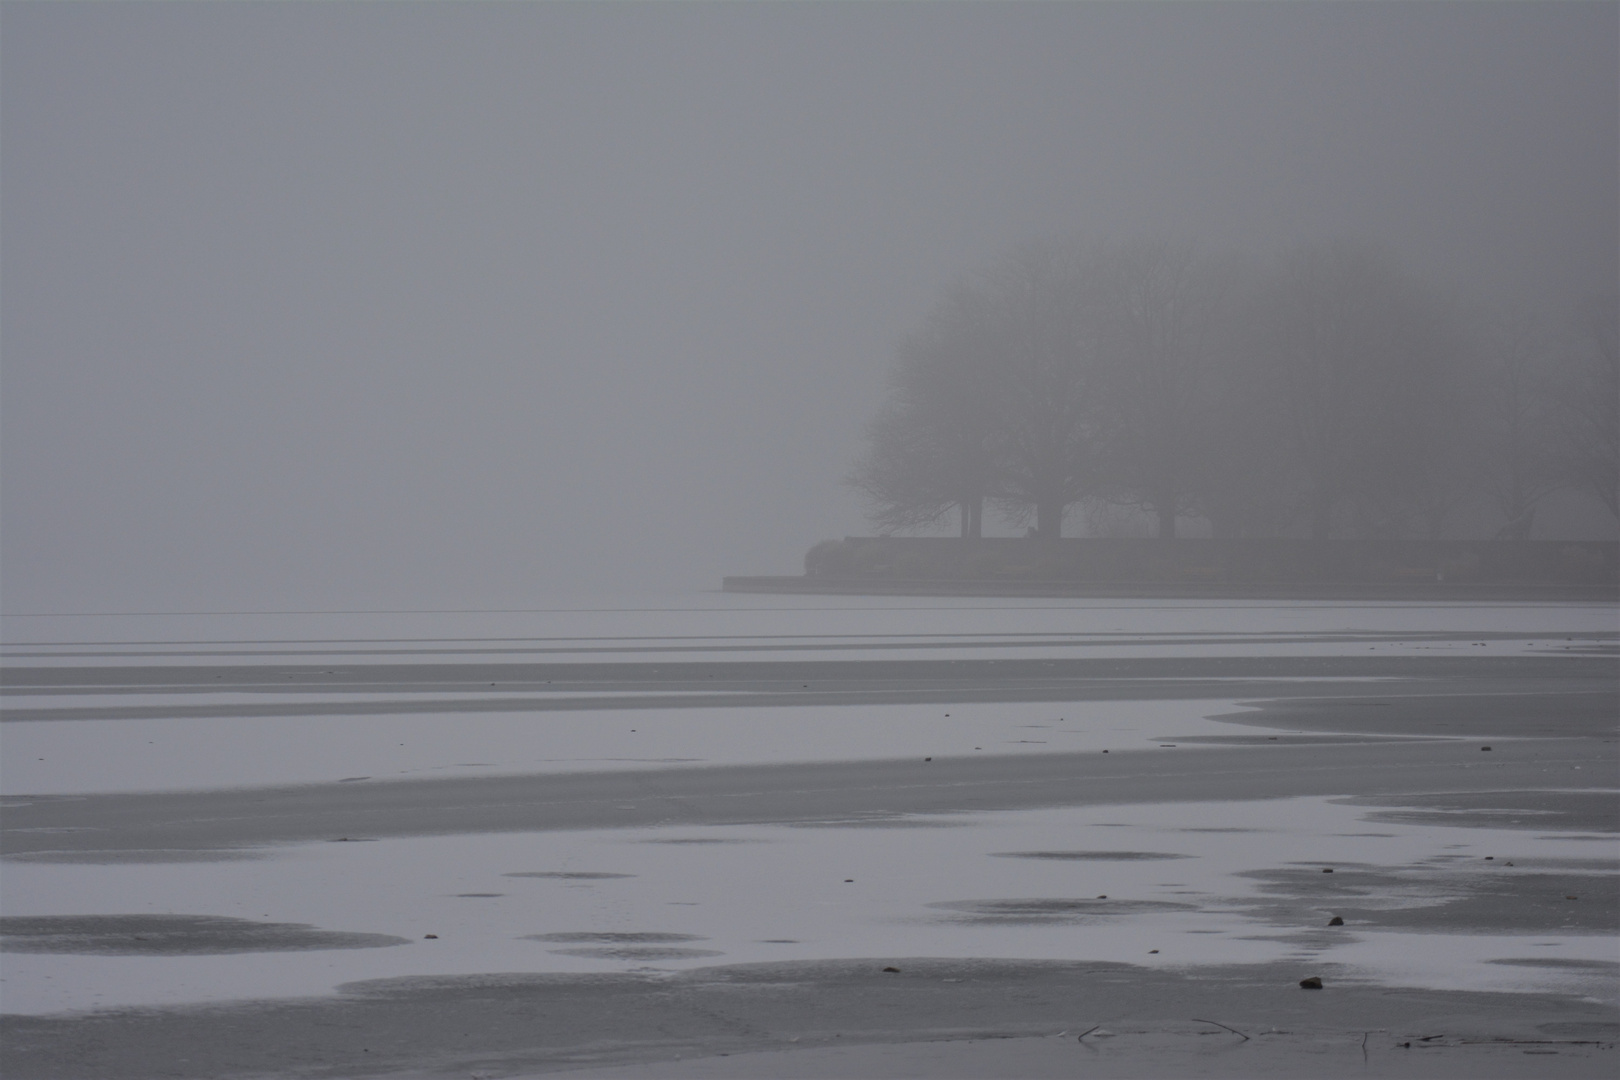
pixel 171 935
pixel 640 946
pixel 112 857
pixel 885 821
pixel 796 895
pixel 644 953
pixel 1090 856
pixel 634 945
pixel 1591 810
pixel 1480 962
pixel 1050 910
pixel 633 937
pixel 568 875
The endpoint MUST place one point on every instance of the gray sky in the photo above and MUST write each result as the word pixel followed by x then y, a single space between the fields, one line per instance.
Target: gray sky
pixel 467 305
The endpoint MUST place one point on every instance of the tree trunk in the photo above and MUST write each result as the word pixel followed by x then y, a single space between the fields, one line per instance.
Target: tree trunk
pixel 1167 519
pixel 1520 526
pixel 1049 520
pixel 972 518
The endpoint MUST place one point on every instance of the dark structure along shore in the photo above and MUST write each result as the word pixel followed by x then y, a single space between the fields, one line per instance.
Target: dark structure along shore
pixel 1532 570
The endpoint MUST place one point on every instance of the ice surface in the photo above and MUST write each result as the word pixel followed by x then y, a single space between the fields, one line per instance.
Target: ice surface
pixel 751 892
pixel 81 756
pixel 795 893
pixel 728 626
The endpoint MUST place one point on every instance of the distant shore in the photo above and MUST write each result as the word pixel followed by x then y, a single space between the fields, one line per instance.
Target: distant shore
pixel 1177 590
pixel 1270 568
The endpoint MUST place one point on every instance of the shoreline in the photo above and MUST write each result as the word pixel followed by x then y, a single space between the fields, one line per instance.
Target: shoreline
pixel 1416 592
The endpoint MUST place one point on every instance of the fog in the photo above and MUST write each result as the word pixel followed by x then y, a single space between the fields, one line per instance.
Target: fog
pixel 466 305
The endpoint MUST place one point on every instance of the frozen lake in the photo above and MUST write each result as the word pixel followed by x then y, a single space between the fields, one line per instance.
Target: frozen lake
pixel 261 809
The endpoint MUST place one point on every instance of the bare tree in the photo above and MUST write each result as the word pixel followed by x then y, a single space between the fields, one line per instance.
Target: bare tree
pixel 1359 357
pixel 1515 442
pixel 900 472
pixel 1590 402
pixel 931 448
pixel 989 401
pixel 1249 487
pixel 1044 359
pixel 1142 374
pixel 1159 309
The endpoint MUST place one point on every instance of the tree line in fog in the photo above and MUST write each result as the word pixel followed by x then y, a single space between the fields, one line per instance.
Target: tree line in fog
pixel 1328 394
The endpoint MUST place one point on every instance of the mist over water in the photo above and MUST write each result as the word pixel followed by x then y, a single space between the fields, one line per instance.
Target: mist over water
pixel 387 389
pixel 460 306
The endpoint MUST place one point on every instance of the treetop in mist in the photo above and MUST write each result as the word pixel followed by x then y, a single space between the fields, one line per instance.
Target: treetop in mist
pixel 1327 393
